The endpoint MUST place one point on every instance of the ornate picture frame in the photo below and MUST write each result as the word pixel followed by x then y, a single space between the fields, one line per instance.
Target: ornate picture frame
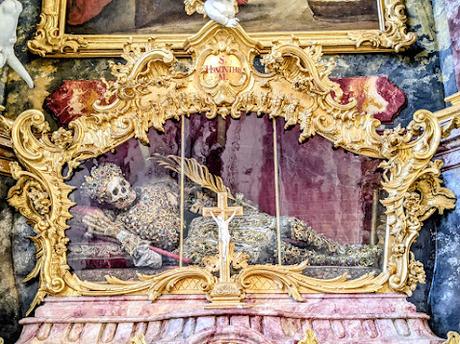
pixel 6 151
pixel 296 87
pixel 51 40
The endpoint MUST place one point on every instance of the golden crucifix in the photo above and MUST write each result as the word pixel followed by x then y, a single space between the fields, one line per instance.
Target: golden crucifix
pixel 225 293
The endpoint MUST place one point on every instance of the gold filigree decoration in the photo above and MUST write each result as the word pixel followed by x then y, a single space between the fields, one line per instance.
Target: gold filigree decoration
pixel 6 149
pixel 197 6
pixel 452 338
pixel 52 40
pixel 153 87
pixel 413 184
pixel 5 123
pixel 193 280
pixel 238 260
pixel 50 37
pixel 194 6
pixel 138 339
pixel 291 280
pixel 394 35
pixel 310 338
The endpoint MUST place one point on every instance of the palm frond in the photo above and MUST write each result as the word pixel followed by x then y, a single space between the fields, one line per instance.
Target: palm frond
pixel 193 170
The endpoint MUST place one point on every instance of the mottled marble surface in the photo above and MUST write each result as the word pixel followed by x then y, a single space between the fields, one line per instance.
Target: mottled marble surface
pixel 375 95
pixel 444 47
pixel 9 305
pixel 453 21
pixel 444 297
pixel 274 319
pixel 23 258
pixel 15 295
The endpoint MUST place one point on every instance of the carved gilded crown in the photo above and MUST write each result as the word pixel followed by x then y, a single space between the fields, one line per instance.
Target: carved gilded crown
pixel 95 185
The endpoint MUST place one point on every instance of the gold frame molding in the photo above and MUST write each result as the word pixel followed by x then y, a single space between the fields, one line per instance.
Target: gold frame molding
pixel 51 39
pixel 6 147
pixel 295 87
pixel 452 338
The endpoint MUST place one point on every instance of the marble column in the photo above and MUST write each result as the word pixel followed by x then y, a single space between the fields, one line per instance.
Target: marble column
pixel 444 297
pixel 453 22
pixel 448 57
pixel 9 299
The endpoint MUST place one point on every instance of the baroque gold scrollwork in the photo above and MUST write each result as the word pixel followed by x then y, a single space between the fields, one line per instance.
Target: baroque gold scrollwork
pixel 182 280
pixel 290 279
pixel 153 87
pixel 452 338
pixel 52 40
pixel 412 181
pixel 50 37
pixel 394 35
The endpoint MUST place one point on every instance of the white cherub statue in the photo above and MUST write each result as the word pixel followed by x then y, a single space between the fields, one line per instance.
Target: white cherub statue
pixel 221 11
pixel 9 15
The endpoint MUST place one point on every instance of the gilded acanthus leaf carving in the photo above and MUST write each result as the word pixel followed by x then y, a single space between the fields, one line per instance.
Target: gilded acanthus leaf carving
pixel 49 37
pixel 414 189
pixel 154 87
pixel 291 279
pixel 394 34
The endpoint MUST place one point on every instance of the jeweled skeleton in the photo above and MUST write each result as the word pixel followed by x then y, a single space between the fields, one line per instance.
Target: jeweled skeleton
pixel 146 222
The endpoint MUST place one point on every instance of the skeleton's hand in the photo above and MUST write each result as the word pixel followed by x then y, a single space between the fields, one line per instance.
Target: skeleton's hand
pixel 99 223
pixel 232 22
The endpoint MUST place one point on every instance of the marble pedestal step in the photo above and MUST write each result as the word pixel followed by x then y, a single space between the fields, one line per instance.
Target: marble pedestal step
pixel 270 319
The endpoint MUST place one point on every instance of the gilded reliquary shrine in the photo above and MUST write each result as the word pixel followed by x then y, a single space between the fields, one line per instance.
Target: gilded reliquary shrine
pixel 223 184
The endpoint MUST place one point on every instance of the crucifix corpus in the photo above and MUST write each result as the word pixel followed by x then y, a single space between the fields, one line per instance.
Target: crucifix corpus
pixel 226 293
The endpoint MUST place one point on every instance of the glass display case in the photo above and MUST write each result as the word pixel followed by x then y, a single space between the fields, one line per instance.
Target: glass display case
pixel 301 202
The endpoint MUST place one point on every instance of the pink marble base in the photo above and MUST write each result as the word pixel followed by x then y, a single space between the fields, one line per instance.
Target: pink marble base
pixel 337 319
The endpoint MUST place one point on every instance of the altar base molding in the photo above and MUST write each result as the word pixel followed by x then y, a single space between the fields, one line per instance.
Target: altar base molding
pixel 337 319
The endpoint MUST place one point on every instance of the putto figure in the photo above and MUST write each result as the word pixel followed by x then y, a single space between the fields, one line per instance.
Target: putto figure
pixel 145 221
pixel 9 15
pixel 221 11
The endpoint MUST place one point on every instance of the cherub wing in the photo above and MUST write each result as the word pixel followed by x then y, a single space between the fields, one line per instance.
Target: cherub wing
pixel 192 6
